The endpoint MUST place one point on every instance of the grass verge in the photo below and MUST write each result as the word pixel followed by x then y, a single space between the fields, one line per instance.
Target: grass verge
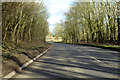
pixel 15 57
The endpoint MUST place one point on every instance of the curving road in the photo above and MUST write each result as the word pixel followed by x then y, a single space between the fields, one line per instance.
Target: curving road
pixel 73 61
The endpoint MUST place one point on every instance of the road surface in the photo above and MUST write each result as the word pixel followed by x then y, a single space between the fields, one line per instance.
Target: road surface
pixel 73 61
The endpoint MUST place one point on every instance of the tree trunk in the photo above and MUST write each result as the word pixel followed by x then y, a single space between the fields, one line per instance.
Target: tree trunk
pixel 118 20
pixel 118 29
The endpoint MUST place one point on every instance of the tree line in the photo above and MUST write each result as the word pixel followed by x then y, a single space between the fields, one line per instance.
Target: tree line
pixel 24 23
pixel 92 22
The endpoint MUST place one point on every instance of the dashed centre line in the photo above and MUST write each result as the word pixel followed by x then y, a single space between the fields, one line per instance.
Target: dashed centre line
pixel 99 61
pixel 94 58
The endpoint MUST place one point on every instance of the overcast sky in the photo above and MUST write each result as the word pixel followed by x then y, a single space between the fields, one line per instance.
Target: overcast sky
pixel 56 9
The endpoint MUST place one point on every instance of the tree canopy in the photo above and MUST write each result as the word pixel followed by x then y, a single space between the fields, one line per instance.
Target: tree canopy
pixel 92 22
pixel 24 22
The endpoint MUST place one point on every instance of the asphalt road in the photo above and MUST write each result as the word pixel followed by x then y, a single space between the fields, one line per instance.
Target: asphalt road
pixel 73 61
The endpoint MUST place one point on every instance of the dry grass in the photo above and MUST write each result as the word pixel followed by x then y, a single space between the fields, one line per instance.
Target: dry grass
pixel 53 39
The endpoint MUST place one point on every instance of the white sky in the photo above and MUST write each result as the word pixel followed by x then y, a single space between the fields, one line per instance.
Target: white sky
pixel 56 9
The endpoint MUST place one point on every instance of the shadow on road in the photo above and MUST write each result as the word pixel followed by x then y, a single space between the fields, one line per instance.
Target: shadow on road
pixel 66 62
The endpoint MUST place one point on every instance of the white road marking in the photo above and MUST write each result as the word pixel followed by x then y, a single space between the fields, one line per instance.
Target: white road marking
pixel 93 58
pixel 99 61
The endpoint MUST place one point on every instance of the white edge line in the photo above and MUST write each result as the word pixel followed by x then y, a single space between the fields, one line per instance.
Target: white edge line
pixel 26 64
pixel 10 74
